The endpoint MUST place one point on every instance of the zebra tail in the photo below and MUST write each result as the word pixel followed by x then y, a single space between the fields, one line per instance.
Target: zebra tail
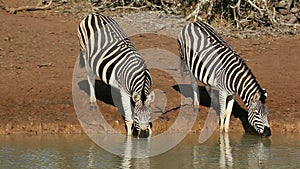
pixel 183 67
pixel 81 60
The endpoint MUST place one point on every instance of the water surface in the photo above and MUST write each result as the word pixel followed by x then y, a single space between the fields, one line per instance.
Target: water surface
pixel 220 151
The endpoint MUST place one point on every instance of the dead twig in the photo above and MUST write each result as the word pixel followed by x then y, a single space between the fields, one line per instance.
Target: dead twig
pixel 45 65
pixel 211 5
pixel 25 8
pixel 256 7
pixel 289 24
pixel 114 6
pixel 236 13
pixel 196 12
pixel 120 7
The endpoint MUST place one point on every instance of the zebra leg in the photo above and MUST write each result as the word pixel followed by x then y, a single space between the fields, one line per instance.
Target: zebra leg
pixel 91 80
pixel 183 70
pixel 228 112
pixel 195 92
pixel 129 127
pixel 208 89
pixel 126 103
pixel 222 101
pixel 212 94
pixel 150 131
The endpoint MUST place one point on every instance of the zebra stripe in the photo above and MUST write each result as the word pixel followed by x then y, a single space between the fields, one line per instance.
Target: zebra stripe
pixel 108 54
pixel 213 61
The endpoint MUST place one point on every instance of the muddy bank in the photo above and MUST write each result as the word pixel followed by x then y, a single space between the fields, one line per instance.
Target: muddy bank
pixel 38 52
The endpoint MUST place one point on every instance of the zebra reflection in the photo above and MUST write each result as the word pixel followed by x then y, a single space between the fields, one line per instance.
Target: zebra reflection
pixel 258 151
pixel 226 160
pixel 222 152
pixel 136 152
pixel 253 151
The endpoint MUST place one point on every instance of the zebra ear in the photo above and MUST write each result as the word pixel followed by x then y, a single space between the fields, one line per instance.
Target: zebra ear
pixel 264 95
pixel 256 97
pixel 265 92
pixel 136 97
pixel 151 97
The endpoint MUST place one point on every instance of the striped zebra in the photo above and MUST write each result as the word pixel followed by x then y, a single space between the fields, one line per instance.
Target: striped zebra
pixel 107 52
pixel 213 61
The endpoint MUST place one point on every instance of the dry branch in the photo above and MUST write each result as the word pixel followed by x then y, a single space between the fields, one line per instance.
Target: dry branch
pixel 281 16
pixel 197 10
pixel 236 13
pixel 4 6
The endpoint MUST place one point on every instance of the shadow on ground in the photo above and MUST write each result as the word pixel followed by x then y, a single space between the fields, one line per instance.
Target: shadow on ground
pixel 111 96
pixel 205 100
pixel 104 93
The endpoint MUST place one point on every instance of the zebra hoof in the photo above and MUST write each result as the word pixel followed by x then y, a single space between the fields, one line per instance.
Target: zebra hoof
pixel 196 109
pixel 93 108
pixel 141 133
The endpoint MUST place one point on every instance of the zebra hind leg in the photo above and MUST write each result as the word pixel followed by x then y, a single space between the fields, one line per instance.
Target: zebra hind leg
pixel 91 80
pixel 184 69
pixel 196 101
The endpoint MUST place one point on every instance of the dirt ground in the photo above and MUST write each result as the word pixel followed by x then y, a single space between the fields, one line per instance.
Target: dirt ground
pixel 38 51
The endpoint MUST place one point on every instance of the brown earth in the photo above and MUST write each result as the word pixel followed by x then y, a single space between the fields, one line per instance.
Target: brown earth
pixel 38 51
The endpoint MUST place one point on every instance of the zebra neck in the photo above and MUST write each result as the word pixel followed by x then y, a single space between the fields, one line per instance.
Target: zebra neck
pixel 247 87
pixel 142 83
pixel 133 75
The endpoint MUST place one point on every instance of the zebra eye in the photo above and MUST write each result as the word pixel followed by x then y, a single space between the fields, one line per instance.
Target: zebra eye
pixel 136 97
pixel 256 113
pixel 147 103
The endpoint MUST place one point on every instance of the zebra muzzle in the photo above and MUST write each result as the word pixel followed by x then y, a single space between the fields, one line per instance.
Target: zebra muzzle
pixel 143 133
pixel 267 131
pixel 143 128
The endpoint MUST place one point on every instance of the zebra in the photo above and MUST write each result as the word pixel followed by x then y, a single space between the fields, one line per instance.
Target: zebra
pixel 107 52
pixel 211 60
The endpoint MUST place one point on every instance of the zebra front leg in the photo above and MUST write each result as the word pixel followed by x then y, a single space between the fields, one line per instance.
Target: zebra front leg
pixel 150 131
pixel 126 103
pixel 129 127
pixel 91 80
pixel 222 101
pixel 228 112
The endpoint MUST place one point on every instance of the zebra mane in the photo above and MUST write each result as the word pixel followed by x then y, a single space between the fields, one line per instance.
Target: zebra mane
pixel 147 81
pixel 257 86
pixel 213 34
pixel 142 75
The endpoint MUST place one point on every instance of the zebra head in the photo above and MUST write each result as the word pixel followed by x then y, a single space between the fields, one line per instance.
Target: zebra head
pixel 142 110
pixel 258 113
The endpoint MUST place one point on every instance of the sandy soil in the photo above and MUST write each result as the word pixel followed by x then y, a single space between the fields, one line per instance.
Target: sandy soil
pixel 38 51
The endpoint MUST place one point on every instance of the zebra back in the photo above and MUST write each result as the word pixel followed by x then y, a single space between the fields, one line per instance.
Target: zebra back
pixel 108 51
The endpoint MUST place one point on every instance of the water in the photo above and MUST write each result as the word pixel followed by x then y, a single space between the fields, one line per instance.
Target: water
pixel 220 151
